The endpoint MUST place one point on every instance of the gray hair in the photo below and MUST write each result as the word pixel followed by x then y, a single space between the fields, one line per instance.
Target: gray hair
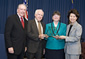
pixel 38 11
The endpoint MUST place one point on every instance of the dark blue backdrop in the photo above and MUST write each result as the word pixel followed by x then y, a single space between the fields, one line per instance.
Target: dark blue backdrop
pixel 9 7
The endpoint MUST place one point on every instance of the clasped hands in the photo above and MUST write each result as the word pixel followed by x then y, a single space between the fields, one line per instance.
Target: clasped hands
pixel 42 36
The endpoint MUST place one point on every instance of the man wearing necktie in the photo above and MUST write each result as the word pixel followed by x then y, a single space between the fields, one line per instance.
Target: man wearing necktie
pixel 36 35
pixel 15 34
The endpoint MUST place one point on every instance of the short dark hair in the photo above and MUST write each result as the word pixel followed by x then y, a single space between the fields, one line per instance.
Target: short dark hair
pixel 56 12
pixel 74 11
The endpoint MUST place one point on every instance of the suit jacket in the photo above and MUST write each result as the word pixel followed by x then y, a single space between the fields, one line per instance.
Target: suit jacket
pixel 15 34
pixel 73 45
pixel 34 42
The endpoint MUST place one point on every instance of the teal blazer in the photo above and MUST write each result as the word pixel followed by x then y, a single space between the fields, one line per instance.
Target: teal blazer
pixel 50 30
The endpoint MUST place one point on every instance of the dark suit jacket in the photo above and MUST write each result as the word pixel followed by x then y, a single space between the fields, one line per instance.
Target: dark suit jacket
pixel 33 34
pixel 15 34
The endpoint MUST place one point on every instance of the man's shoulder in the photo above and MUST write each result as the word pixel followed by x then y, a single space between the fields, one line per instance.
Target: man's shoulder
pixel 13 15
pixel 31 20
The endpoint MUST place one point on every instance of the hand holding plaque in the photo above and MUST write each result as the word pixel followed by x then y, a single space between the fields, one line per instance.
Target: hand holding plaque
pixel 46 36
pixel 41 36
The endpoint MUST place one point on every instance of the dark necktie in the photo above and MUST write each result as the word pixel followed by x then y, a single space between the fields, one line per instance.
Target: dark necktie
pixel 22 22
pixel 69 29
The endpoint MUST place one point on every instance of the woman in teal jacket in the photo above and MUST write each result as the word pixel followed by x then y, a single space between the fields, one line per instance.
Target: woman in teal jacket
pixel 55 46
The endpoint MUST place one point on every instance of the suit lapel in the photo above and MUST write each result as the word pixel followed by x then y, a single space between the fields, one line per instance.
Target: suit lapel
pixel 25 23
pixel 73 27
pixel 67 29
pixel 35 26
pixel 19 22
pixel 43 27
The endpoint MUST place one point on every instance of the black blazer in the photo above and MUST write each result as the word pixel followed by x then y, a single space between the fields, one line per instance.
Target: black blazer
pixel 15 34
pixel 33 34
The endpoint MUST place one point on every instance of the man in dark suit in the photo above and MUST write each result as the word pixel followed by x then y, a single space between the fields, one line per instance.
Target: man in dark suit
pixel 36 36
pixel 15 34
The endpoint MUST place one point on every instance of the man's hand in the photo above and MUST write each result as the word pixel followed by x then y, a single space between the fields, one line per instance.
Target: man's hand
pixel 11 50
pixel 25 49
pixel 41 36
pixel 43 51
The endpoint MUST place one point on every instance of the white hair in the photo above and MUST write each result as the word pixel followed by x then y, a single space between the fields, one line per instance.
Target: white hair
pixel 38 11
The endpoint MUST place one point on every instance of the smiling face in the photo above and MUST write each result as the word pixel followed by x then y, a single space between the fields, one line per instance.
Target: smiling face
pixel 72 18
pixel 39 15
pixel 56 18
pixel 21 10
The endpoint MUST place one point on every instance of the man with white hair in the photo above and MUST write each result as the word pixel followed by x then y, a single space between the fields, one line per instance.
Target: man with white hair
pixel 15 34
pixel 36 36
